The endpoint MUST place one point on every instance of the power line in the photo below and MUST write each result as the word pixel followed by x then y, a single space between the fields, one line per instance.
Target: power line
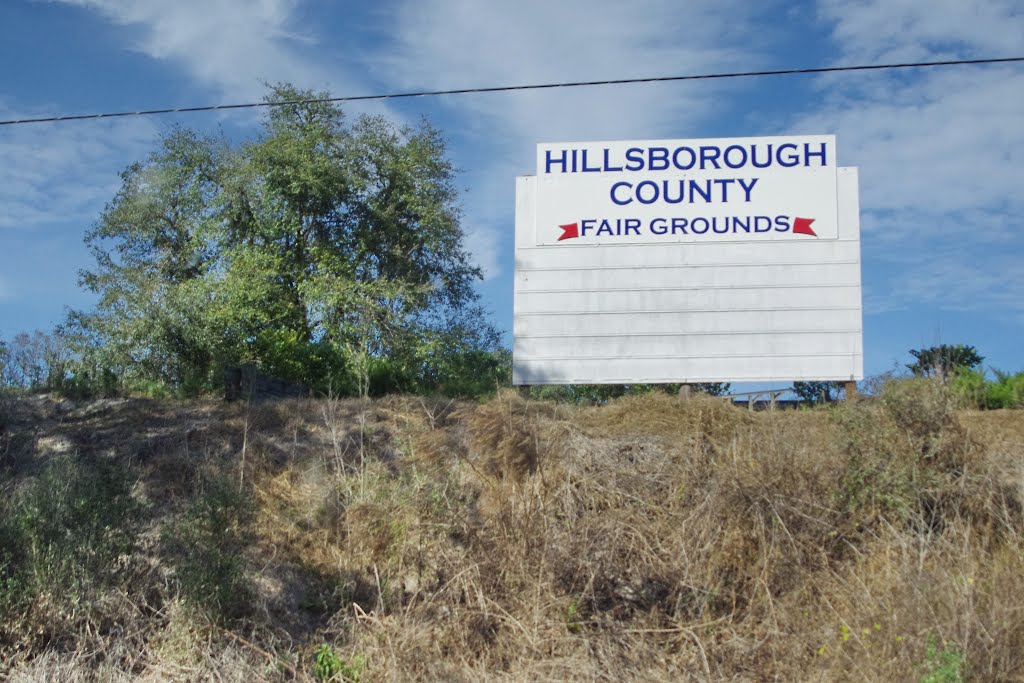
pixel 513 88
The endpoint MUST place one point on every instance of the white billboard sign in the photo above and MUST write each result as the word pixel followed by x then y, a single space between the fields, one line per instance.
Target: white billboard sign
pixel 707 260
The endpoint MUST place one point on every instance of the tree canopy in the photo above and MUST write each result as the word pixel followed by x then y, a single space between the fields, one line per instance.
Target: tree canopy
pixel 943 360
pixel 815 393
pixel 322 251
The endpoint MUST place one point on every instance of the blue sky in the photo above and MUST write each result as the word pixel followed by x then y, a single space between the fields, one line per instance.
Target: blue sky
pixel 940 151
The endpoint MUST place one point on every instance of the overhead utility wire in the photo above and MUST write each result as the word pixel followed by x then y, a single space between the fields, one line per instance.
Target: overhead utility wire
pixel 512 88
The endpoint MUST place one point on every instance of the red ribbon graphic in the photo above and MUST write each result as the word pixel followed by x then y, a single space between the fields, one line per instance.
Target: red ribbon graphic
pixel 802 226
pixel 570 230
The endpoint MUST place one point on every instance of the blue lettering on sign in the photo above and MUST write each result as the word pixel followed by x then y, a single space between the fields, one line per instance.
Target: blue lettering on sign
pixel 549 160
pixel 820 154
pixel 685 158
pixel 709 155
pixel 704 193
pixel 634 159
pixel 590 169
pixel 761 164
pixel 682 225
pixel 678 155
pixel 651 195
pixel 618 198
pixel 791 159
pixel 676 186
pixel 735 156
pixel 619 227
pixel 657 159
pixel 607 164
pixel 707 191
pixel 747 188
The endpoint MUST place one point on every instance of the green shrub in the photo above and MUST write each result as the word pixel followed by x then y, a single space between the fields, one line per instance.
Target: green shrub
pixel 13 591
pixel 903 453
pixel 5 413
pixel 943 665
pixel 61 536
pixel 970 388
pixel 973 391
pixel 86 382
pixel 923 408
pixel 572 616
pixel 472 373
pixel 329 667
pixel 1006 392
pixel 207 547
pixel 878 474
pixel 389 376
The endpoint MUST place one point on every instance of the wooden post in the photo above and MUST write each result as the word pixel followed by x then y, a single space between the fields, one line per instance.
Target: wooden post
pixel 851 390
pixel 524 391
pixel 685 391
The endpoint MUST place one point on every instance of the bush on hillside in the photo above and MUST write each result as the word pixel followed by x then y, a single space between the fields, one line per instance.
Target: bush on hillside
pixel 974 390
pixel 206 547
pixel 61 538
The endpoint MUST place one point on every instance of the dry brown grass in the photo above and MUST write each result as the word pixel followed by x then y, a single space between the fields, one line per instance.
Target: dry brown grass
pixel 647 539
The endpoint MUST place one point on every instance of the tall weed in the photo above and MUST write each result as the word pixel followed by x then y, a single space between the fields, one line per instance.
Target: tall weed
pixel 207 546
pixel 62 536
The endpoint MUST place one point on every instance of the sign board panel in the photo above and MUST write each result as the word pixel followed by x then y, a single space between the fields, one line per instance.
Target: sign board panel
pixel 627 273
pixel 658 191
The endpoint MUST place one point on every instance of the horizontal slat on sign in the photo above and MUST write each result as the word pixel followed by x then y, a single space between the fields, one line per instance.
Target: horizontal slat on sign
pixel 694 255
pixel 690 310
pixel 688 277
pixel 692 322
pixel 629 287
pixel 658 370
pixel 721 299
pixel 684 345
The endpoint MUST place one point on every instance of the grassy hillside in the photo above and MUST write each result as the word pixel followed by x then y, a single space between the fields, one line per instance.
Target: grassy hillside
pixel 407 539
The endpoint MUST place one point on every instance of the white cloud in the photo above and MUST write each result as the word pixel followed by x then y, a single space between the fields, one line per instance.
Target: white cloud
pixel 57 175
pixel 463 43
pixel 936 141
pixel 940 151
pixel 64 173
pixel 896 30
pixel 943 278
pixel 951 141
pixel 229 45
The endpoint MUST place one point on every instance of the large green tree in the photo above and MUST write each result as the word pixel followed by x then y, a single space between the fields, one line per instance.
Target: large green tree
pixel 321 251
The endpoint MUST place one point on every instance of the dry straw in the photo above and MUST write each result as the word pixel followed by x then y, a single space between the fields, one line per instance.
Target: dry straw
pixel 646 539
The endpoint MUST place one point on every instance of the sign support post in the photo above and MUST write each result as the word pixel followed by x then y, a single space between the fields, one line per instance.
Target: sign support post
pixel 851 390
